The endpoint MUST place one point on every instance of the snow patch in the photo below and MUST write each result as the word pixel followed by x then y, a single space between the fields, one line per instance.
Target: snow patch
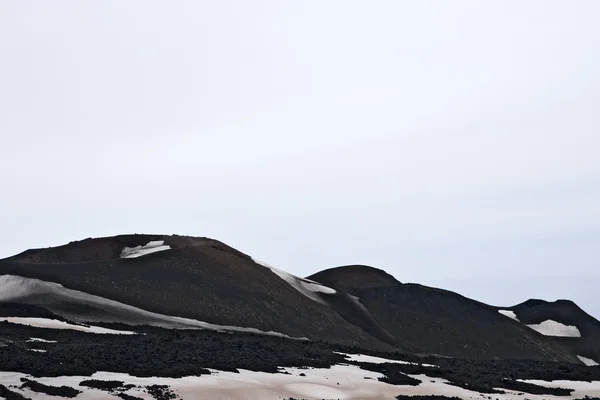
pixel 307 287
pixel 40 340
pixel 370 359
pixel 38 350
pixel 377 360
pixel 315 287
pixel 553 328
pixel 587 361
pixel 56 324
pixel 138 251
pixel 509 314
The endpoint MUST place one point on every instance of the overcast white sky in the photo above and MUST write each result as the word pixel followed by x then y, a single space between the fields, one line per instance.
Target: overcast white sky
pixel 454 144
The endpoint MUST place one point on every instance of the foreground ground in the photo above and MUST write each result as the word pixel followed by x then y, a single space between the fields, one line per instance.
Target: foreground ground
pixel 196 364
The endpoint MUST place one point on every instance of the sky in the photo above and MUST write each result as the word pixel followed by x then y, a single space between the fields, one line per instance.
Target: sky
pixel 453 144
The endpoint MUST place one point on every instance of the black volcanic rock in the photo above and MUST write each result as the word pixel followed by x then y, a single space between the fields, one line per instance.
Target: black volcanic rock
pixel 172 353
pixel 125 396
pixel 10 395
pixel 161 392
pixel 62 391
pixel 102 385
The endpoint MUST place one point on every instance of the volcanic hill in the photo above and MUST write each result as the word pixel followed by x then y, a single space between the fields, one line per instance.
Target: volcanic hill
pixel 190 297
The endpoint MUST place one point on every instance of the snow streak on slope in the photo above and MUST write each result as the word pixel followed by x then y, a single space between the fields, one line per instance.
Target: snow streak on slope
pixel 138 251
pixel 305 286
pixel 587 361
pixel 509 314
pixel 553 328
pixel 17 288
pixel 40 340
pixel 56 324
pixel 378 360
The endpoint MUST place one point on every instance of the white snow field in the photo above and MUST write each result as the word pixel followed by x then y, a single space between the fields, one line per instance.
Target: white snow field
pixel 13 288
pixel 343 381
pixel 56 324
pixel 587 361
pixel 305 286
pixel 553 328
pixel 509 314
pixel 138 251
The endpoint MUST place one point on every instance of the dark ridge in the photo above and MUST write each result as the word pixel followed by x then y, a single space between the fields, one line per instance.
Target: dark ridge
pixel 125 396
pixel 476 387
pixel 103 385
pixel 532 388
pixel 10 395
pixel 354 277
pixel 530 303
pixel 62 391
pixel 398 378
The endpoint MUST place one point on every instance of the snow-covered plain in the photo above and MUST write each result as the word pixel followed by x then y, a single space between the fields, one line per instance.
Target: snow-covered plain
pixel 509 314
pixel 138 251
pixel 587 361
pixel 553 328
pixel 343 381
pixel 307 287
pixel 15 288
pixel 56 324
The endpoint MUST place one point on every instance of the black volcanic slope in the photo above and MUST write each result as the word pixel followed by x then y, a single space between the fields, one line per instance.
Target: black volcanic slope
pixel 429 320
pixel 206 280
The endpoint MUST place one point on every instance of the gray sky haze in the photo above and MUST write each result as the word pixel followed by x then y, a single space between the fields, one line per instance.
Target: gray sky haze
pixel 453 144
